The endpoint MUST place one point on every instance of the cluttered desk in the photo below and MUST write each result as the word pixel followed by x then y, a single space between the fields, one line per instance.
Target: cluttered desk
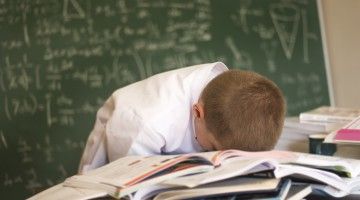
pixel 324 130
pixel 233 174
pixel 271 174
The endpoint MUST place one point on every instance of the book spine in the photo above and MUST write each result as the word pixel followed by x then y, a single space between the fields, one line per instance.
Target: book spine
pixel 323 118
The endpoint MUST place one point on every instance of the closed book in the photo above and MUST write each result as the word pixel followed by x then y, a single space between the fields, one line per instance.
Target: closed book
pixel 330 114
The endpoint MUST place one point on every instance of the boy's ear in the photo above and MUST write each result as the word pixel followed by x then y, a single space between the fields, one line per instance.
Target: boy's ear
pixel 198 110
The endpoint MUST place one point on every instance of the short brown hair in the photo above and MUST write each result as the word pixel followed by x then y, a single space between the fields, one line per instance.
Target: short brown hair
pixel 244 110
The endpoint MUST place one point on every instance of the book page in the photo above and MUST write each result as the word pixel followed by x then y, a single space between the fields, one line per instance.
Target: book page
pixel 281 156
pixel 126 169
pixel 232 167
pixel 307 173
pixel 353 184
pixel 131 170
pixel 92 182
pixel 236 185
pixel 350 166
pixel 330 190
pixel 212 156
pixel 61 192
pixel 149 192
pixel 126 175
pixel 298 191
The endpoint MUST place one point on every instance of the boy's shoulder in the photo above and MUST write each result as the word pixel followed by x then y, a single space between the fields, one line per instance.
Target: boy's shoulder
pixel 174 78
pixel 200 68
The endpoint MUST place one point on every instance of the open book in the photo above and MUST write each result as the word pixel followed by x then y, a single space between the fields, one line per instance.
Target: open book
pixel 346 166
pixel 314 168
pixel 353 188
pixel 125 176
pixel 59 192
pixel 129 174
pixel 238 188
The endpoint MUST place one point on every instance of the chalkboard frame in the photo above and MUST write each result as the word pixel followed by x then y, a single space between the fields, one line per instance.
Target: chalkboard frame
pixel 326 52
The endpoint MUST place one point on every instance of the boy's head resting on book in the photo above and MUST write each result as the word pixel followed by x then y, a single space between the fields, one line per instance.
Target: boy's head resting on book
pixel 239 110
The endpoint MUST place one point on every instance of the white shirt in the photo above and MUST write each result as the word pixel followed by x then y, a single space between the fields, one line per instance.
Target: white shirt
pixel 152 116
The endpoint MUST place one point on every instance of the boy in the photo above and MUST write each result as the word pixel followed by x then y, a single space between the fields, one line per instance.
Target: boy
pixel 199 108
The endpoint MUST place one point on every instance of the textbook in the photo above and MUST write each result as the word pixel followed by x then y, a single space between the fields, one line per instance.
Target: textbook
pixel 346 166
pixel 127 175
pixel 295 134
pixel 239 188
pixel 329 114
pixel 348 134
pixel 353 188
pixel 310 127
pixel 59 192
pixel 298 191
pixel 313 168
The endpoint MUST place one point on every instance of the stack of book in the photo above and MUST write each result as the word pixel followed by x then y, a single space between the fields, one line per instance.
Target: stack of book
pixel 329 114
pixel 296 133
pixel 322 120
pixel 217 174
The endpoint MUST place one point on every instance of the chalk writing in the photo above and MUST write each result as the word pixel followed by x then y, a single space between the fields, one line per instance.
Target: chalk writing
pixel 307 35
pixel 286 25
pixel 245 11
pixel 44 150
pixel 242 58
pixel 3 140
pixel 25 150
pixel 15 106
pixel 269 49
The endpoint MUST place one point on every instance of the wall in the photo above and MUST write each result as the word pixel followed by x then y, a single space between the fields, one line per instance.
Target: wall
pixel 342 26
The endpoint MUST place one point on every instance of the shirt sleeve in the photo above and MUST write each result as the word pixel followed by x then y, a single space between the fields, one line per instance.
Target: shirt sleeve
pixel 128 134
pixel 118 131
pixel 94 154
pixel 148 142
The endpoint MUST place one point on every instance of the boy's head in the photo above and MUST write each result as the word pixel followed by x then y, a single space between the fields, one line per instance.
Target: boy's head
pixel 239 110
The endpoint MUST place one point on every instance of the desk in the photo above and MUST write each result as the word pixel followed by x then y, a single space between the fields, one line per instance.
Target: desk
pixel 297 140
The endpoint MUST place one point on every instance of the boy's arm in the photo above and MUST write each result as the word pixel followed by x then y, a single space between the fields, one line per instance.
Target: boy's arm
pixel 118 132
pixel 94 154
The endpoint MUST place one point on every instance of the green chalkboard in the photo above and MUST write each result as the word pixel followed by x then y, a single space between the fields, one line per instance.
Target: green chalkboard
pixel 60 59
